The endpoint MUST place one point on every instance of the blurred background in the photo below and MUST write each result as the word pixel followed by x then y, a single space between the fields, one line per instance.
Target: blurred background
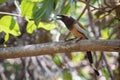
pixel 25 22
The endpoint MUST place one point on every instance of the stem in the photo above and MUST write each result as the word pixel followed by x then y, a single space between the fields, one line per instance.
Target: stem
pixel 12 14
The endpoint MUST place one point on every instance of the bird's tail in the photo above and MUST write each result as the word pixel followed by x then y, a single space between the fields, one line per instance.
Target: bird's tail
pixel 89 55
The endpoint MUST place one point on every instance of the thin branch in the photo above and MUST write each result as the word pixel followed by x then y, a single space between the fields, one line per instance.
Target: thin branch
pixel 91 20
pixel 12 14
pixel 59 47
pixel 107 65
pixel 82 13
pixel 88 4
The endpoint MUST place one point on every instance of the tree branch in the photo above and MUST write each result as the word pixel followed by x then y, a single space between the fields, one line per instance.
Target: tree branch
pixel 59 47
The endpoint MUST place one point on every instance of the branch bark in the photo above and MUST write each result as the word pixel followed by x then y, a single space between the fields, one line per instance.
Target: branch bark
pixel 60 47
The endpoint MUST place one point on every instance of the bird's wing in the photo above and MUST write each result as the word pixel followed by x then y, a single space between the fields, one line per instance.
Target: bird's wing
pixel 81 30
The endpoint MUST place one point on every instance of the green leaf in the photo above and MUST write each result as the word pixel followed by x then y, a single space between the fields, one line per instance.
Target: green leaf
pixel 105 72
pixel 77 56
pixel 65 9
pixel 66 75
pixel 44 12
pixel 6 37
pixel 3 1
pixel 83 72
pixel 27 8
pixel 35 0
pixel 9 25
pixel 104 33
pixel 47 26
pixel 93 1
pixel 31 27
pixel 57 59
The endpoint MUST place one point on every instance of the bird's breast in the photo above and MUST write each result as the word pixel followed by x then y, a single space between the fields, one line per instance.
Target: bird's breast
pixel 78 32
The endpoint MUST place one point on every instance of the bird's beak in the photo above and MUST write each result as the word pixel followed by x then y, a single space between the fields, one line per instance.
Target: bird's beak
pixel 58 17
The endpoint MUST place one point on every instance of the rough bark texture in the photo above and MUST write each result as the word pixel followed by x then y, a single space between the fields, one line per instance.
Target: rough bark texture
pixel 60 47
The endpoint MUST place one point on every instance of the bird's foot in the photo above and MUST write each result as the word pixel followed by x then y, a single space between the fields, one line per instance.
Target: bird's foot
pixel 75 39
pixel 78 39
pixel 70 39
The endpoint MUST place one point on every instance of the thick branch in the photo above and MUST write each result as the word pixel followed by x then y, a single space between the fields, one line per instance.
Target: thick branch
pixel 60 47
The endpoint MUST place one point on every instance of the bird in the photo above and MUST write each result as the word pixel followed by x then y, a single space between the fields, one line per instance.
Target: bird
pixel 79 32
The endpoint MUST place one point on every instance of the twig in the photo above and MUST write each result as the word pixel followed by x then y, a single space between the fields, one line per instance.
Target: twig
pixel 82 13
pixel 91 21
pixel 12 14
pixel 107 65
pixel 30 72
pixel 86 4
pixel 118 65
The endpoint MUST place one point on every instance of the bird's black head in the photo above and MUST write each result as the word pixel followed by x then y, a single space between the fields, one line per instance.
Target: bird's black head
pixel 68 21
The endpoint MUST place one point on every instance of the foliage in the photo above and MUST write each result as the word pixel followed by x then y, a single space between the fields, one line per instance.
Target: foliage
pixel 34 21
